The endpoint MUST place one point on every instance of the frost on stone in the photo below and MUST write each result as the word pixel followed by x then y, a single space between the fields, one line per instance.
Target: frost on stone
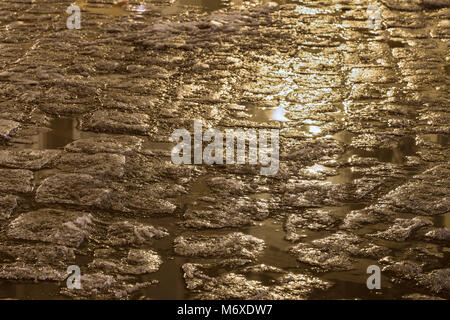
pixel 402 229
pixel 231 245
pixel 101 286
pixel 133 233
pixel 80 189
pixel 7 205
pixel 27 159
pixel 16 180
pixel 106 144
pixel 233 284
pixel 53 226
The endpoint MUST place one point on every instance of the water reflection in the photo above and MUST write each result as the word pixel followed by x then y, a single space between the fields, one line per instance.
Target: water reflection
pixel 442 221
pixel 259 114
pixel 62 132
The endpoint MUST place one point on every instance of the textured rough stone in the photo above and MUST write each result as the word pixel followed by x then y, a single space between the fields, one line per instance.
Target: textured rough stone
pixel 39 253
pixel 80 189
pixel 402 229
pixel 7 205
pixel 234 285
pixel 231 245
pixel 439 234
pixel 133 233
pixel 363 117
pixel 310 219
pixel 137 262
pixel 335 252
pixel 20 181
pixel 100 164
pixel 106 144
pixel 8 128
pixel 53 226
pixel 117 122
pixel 27 159
pixel 220 214
pixel 146 200
pixel 100 286
pixel 436 280
pixel 22 271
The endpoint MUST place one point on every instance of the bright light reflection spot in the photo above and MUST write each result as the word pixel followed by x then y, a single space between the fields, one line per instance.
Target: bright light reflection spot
pixel 140 8
pixel 315 129
pixel 313 11
pixel 316 168
pixel 278 114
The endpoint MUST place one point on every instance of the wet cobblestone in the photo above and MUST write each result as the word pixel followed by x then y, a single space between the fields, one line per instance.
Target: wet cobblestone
pixel 86 177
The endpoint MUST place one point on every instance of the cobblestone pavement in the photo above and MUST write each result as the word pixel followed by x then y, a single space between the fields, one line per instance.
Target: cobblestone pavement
pixel 86 176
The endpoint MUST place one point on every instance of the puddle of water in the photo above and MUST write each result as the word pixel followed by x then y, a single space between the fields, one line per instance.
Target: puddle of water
pixel 442 221
pixel 406 147
pixel 171 283
pixel 439 139
pixel 62 132
pixel 345 176
pixel 344 136
pixel 275 253
pixel 259 114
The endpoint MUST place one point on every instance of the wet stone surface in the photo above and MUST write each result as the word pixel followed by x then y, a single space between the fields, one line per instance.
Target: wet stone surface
pixel 86 177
